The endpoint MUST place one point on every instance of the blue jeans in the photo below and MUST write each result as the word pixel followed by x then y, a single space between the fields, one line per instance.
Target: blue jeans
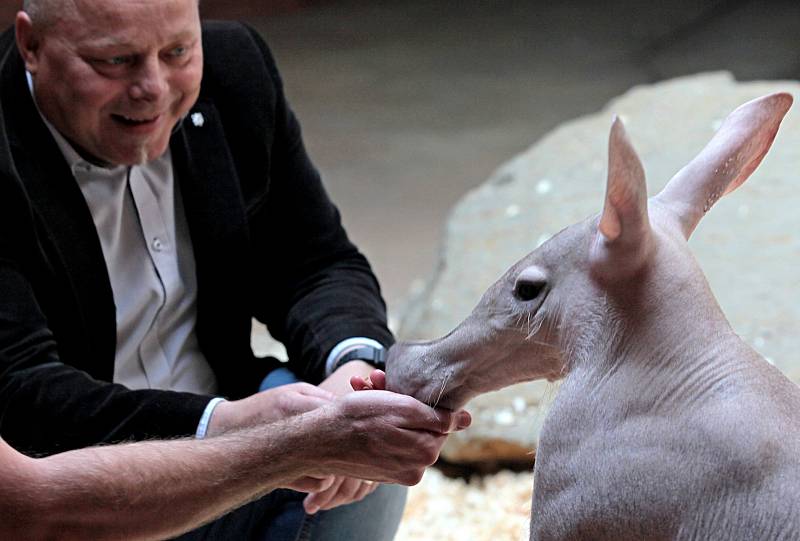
pixel 279 516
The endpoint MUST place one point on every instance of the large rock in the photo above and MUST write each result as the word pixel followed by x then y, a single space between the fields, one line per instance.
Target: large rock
pixel 749 246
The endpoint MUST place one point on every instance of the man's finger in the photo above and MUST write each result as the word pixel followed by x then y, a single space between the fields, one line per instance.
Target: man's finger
pixel 441 421
pixel 317 500
pixel 378 378
pixel 345 494
pixel 359 384
pixel 366 488
pixel 463 420
pixel 455 421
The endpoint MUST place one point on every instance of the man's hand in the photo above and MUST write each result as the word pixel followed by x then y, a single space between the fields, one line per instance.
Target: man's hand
pixel 381 436
pixel 267 406
pixel 347 490
pixel 342 490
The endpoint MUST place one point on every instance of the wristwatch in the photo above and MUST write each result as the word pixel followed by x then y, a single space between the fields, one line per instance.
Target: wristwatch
pixel 369 354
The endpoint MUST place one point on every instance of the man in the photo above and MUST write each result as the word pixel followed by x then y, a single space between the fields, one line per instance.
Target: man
pixel 120 491
pixel 148 218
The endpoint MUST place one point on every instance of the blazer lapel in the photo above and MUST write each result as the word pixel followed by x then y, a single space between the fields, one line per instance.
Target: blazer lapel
pixel 214 208
pixel 208 179
pixel 67 231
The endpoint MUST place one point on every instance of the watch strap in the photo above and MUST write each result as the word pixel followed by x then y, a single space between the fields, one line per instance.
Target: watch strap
pixel 369 354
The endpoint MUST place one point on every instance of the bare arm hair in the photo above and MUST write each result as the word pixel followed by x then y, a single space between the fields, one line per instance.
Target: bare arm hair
pixel 158 489
pixel 146 490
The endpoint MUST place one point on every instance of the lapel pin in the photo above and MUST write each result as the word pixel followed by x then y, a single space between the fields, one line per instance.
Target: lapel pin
pixel 198 119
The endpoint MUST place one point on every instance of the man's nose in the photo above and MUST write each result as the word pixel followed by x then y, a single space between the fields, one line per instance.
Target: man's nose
pixel 149 81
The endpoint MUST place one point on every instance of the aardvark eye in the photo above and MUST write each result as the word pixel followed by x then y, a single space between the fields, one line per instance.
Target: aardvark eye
pixel 530 283
pixel 526 290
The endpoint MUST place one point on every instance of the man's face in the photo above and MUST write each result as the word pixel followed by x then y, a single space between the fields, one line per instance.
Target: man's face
pixel 115 76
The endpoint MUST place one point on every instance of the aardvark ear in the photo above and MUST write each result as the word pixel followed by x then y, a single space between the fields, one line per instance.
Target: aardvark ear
pixel 727 160
pixel 623 237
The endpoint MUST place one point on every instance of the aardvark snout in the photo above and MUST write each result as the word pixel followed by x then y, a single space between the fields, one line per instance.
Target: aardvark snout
pixel 418 369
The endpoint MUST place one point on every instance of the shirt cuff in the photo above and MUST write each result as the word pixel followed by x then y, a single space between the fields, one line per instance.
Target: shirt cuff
pixel 202 427
pixel 346 345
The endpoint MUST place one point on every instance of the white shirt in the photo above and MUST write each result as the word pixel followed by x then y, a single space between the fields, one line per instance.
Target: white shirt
pixel 139 218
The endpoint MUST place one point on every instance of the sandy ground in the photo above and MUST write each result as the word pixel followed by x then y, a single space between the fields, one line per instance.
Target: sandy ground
pixel 491 508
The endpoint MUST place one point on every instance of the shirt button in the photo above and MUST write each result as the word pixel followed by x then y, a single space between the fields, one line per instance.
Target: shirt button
pixel 157 244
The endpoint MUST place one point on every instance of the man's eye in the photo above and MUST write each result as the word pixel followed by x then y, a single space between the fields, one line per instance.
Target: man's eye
pixel 117 60
pixel 178 51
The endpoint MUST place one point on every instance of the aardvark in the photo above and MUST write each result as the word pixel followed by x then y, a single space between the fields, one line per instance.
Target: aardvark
pixel 667 425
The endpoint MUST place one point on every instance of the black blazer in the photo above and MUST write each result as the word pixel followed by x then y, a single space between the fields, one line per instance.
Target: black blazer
pixel 267 240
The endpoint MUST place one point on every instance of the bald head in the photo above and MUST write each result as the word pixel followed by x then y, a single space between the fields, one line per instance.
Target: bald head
pixel 44 12
pixel 114 77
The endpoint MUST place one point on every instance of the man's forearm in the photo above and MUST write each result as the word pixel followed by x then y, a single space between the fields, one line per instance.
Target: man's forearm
pixel 158 489
pixel 147 490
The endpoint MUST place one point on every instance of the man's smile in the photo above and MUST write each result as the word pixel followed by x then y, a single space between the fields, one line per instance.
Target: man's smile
pixel 136 121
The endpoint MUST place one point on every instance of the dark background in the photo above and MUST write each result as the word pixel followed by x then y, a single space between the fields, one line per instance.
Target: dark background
pixel 407 105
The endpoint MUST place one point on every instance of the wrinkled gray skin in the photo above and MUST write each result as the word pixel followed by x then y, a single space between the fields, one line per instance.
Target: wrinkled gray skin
pixel 667 426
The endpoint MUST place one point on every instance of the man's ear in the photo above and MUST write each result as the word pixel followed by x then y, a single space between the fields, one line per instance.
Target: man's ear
pixel 28 41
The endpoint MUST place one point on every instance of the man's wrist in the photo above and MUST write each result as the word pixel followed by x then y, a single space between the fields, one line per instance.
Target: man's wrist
pixel 344 347
pixel 368 354
pixel 205 419
pixel 338 383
